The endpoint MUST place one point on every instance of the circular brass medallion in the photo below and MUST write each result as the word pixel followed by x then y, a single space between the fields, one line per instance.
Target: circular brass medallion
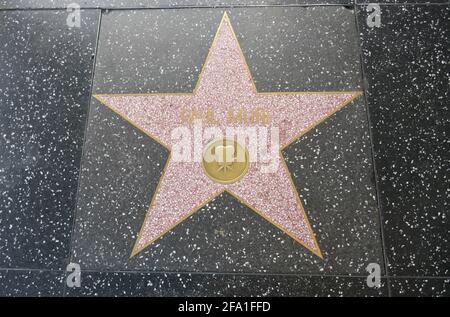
pixel 225 161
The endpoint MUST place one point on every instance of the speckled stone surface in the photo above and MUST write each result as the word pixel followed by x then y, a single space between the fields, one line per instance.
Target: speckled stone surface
pixel 154 284
pixel 420 287
pixel 408 91
pixel 401 1
pixel 333 172
pixel 225 236
pixel 306 60
pixel 53 212
pixel 44 93
pixel 156 3
pixel 33 283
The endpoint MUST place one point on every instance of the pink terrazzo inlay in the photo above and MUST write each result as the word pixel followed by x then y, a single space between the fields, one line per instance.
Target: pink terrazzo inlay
pixel 226 84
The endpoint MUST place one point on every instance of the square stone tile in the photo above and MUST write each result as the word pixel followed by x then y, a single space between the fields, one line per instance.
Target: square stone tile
pixel 407 93
pixel 331 164
pixel 44 95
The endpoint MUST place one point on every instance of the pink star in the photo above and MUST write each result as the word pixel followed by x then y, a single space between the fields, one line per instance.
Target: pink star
pixel 225 83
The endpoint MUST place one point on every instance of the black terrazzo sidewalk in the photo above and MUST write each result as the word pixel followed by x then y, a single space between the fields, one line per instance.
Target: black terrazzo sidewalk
pixel 76 179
